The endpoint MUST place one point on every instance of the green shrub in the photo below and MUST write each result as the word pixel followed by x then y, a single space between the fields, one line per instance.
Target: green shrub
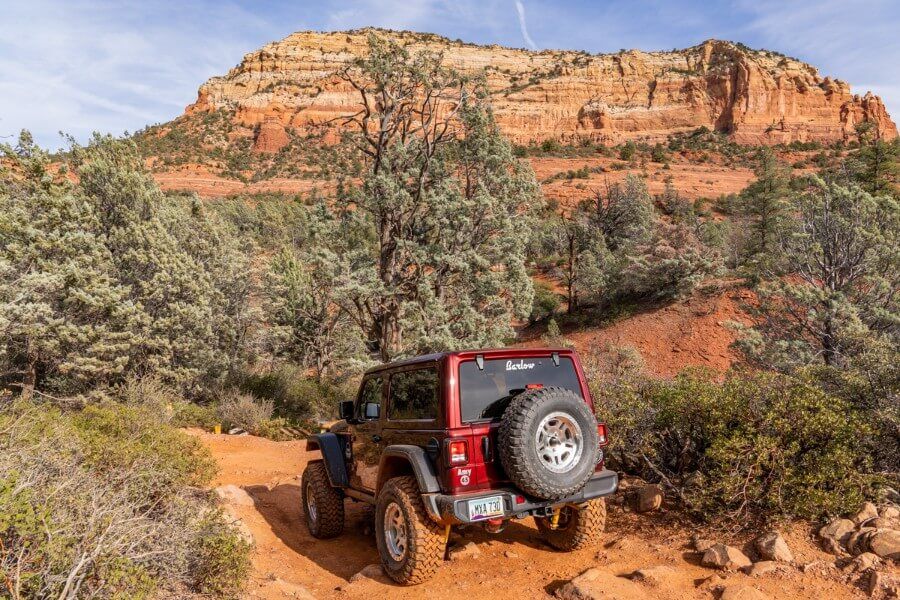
pixel 221 562
pixel 297 396
pixel 239 409
pixel 107 499
pixel 753 446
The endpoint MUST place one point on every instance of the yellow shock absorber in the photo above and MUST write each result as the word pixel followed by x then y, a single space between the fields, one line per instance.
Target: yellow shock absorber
pixel 554 520
pixel 446 534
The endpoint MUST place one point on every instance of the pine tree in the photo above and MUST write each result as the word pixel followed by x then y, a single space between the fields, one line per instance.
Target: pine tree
pixel 765 207
pixel 841 296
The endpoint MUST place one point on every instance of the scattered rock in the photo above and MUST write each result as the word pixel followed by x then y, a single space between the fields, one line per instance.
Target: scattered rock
pixel 885 543
pixel 653 576
pixel 838 530
pixel 373 571
pixel 889 495
pixel 742 592
pixel 469 550
pixel 701 544
pixel 724 557
pixel 232 494
pixel 880 523
pixel 863 562
pixel 597 584
pixel 510 554
pixel 645 498
pixel 237 431
pixel 868 511
pixel 293 590
pixel 771 546
pixel 890 511
pixel 858 542
pixel 882 584
pixel 762 568
pixel 832 546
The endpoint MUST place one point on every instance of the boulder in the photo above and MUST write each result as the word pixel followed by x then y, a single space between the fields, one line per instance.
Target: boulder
pixel 762 568
pixel 469 550
pixel 885 543
pixel 771 546
pixel 700 544
pixel 832 546
pixel 645 498
pixel 373 571
pixel 597 584
pixel 883 585
pixel 863 562
pixel 292 590
pixel 858 542
pixel 234 495
pixel 727 558
pixel 742 592
pixel 868 511
pixel 653 576
pixel 890 511
pixel 838 530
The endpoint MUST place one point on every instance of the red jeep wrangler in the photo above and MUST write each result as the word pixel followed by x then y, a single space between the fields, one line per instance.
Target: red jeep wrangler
pixel 463 437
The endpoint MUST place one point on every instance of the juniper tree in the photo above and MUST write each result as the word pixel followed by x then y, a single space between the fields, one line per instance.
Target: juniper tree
pixel 447 204
pixel 64 316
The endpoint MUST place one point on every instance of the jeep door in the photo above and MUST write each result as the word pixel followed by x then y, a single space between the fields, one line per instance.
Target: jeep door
pixel 365 434
pixel 413 413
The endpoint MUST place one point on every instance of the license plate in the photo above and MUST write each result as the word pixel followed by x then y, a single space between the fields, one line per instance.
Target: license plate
pixel 485 508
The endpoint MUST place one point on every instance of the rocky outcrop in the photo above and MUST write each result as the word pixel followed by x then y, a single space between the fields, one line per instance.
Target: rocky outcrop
pixel 757 96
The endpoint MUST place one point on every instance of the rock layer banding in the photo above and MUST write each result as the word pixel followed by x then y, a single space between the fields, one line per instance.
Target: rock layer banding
pixel 757 96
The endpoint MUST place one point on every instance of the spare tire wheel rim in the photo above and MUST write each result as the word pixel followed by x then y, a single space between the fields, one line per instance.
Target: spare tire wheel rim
pixel 311 504
pixel 395 536
pixel 558 442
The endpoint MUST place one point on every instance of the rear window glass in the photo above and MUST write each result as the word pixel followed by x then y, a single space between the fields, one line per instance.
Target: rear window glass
pixel 485 394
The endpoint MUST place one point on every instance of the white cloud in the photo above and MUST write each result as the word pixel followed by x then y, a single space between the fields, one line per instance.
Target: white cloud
pixel 523 26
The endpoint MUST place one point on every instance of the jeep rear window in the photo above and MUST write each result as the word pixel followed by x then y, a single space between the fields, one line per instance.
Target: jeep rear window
pixel 483 395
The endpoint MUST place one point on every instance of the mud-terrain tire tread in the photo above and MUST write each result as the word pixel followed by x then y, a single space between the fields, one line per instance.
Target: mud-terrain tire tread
pixel 427 542
pixel 585 530
pixel 514 439
pixel 329 502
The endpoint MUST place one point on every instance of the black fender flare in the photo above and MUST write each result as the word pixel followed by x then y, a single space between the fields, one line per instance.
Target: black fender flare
pixel 422 467
pixel 333 456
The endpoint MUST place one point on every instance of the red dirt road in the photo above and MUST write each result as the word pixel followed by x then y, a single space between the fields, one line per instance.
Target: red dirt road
pixel 289 563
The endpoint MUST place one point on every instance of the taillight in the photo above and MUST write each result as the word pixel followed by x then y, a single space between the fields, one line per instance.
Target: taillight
pixel 534 386
pixel 458 451
pixel 602 439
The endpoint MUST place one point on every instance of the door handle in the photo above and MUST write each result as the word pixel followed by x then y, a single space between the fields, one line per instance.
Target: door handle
pixel 376 438
pixel 486 448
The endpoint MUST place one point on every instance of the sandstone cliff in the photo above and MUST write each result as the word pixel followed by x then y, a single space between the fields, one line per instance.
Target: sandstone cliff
pixel 757 96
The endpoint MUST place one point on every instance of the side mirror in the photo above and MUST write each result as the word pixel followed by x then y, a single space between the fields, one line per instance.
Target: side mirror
pixel 373 410
pixel 345 410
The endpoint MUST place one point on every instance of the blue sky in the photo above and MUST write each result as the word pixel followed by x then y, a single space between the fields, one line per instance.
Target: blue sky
pixel 82 65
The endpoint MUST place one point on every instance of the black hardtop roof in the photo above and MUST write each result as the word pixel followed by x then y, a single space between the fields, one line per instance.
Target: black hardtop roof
pixel 487 352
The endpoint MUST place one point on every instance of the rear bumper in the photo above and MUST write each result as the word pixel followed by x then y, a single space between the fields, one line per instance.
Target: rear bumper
pixel 455 509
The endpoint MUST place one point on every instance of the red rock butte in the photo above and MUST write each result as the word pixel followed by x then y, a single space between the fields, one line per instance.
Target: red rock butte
pixel 757 96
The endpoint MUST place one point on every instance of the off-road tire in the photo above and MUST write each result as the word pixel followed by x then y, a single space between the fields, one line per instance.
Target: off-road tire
pixel 328 501
pixel 425 538
pixel 583 529
pixel 517 449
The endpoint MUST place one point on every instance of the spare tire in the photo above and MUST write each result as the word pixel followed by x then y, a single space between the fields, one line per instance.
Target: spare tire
pixel 548 442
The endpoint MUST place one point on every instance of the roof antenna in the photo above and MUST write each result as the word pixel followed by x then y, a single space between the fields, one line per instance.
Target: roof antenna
pixel 479 360
pixel 555 357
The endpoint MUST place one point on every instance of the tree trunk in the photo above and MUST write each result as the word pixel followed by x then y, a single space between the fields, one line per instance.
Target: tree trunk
pixel 28 382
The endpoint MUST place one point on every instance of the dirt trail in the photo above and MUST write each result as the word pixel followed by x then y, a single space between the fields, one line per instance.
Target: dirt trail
pixel 289 563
